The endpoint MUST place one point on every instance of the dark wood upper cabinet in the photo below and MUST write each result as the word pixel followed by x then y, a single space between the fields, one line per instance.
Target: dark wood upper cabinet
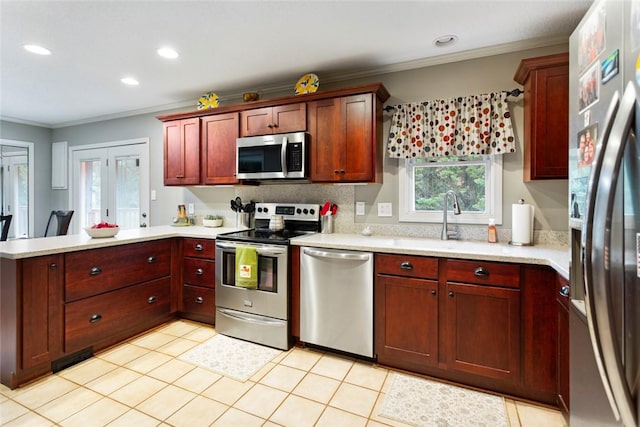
pixel 219 134
pixel 270 120
pixel 182 152
pixel 546 116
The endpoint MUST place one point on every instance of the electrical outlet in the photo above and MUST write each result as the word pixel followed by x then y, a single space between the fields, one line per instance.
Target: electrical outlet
pixel 359 208
pixel 191 209
pixel 384 209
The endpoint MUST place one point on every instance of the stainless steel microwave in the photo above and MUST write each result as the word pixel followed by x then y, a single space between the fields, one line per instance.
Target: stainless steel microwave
pixel 272 156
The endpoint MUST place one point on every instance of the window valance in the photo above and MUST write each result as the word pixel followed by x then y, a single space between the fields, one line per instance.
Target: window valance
pixel 463 126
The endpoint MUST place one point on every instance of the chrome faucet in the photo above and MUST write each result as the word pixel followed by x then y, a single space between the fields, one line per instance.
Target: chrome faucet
pixel 446 234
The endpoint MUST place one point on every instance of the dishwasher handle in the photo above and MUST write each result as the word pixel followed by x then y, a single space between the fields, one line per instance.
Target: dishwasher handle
pixel 345 256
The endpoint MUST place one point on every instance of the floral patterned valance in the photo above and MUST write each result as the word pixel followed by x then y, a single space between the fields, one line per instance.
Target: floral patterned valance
pixel 477 124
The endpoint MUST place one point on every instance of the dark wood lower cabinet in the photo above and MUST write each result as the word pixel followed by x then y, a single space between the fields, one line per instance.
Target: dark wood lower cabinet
pixel 562 298
pixel 483 331
pixel 492 325
pixel 406 321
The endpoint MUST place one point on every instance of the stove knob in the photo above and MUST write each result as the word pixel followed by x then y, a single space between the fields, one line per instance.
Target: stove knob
pixel 312 211
pixel 305 211
pixel 298 211
pixel 259 209
pixel 265 210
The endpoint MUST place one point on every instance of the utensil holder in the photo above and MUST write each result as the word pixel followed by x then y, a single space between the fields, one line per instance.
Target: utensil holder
pixel 326 224
pixel 243 220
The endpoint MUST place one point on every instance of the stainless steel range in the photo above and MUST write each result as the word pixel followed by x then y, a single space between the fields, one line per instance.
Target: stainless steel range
pixel 261 315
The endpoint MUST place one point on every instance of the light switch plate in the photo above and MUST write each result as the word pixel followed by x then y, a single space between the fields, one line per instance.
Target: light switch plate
pixel 384 209
pixel 359 208
pixel 191 209
pixel 153 195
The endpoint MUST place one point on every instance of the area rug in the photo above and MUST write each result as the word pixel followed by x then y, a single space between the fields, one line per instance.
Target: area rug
pixel 230 357
pixel 426 403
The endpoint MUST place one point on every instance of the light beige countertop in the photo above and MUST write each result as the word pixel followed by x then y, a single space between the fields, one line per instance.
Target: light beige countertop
pixel 25 248
pixel 555 256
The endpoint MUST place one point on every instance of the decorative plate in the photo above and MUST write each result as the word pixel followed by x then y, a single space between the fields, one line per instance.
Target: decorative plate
pixel 307 84
pixel 208 100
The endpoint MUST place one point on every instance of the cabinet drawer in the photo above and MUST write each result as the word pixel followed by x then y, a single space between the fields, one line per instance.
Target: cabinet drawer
pixel 97 318
pixel 96 271
pixel 406 265
pixel 200 272
pixel 483 273
pixel 200 248
pixel 199 303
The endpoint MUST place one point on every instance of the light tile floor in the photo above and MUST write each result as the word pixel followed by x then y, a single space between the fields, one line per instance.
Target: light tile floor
pixel 142 383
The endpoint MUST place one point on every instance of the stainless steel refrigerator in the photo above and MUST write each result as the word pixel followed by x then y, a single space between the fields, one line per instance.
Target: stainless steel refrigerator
pixel 604 215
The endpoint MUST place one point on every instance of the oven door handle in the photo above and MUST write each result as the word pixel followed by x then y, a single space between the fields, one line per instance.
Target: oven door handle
pixel 237 315
pixel 261 250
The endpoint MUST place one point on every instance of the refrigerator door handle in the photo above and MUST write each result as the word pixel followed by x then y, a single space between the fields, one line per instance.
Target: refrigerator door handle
pixel 586 246
pixel 601 246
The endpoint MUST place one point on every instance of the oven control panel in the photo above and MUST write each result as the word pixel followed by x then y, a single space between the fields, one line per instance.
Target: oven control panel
pixel 290 211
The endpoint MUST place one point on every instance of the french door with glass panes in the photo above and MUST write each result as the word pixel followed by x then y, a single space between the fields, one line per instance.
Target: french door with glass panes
pixel 112 185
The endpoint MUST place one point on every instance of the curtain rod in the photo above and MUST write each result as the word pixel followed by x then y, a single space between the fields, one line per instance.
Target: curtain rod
pixel 514 92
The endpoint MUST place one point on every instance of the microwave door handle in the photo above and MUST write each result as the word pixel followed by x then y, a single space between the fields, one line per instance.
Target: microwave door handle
pixel 605 201
pixel 283 155
pixel 586 246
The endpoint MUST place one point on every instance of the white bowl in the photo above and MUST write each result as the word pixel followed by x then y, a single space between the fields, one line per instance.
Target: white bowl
pixel 212 222
pixel 102 232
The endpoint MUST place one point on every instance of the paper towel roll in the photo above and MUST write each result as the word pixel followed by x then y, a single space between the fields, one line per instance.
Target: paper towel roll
pixel 522 224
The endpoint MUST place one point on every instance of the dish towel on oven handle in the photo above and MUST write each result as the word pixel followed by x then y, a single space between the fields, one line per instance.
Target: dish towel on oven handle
pixel 246 267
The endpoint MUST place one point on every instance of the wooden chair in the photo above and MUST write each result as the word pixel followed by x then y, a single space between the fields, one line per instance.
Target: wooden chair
pixel 63 219
pixel 5 220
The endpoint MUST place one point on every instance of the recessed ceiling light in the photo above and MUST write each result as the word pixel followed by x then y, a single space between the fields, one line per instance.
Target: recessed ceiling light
pixel 447 40
pixel 167 52
pixel 39 50
pixel 130 81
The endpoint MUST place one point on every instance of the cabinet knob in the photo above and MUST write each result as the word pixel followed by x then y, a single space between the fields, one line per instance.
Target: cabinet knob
pixel 199 271
pixel 270 126
pixel 565 291
pixel 199 300
pixel 95 318
pixel 151 259
pixel 406 265
pixel 152 299
pixel 433 292
pixel 95 271
pixel 335 171
pixel 198 247
pixel 451 294
pixel 481 272
pixel 53 266
pixel 342 172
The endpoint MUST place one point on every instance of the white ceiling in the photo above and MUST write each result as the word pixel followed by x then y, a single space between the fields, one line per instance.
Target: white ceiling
pixel 234 46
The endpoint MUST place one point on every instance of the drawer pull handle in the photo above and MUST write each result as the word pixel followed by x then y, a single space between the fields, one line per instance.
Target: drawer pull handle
pixel 95 271
pixel 481 272
pixel 199 300
pixel 451 294
pixel 152 299
pixel 565 290
pixel 406 265
pixel 199 271
pixel 95 318
pixel 151 259
pixel 198 247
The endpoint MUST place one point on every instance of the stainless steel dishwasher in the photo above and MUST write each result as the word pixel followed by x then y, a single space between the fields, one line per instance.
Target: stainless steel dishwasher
pixel 336 299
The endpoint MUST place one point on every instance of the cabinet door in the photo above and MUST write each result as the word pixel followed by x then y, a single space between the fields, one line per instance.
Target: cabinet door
pixel 258 121
pixel 563 346
pixel 290 118
pixel 182 152
pixel 483 336
pixel 42 302
pixel 406 321
pixel 325 131
pixel 219 134
pixel 358 154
